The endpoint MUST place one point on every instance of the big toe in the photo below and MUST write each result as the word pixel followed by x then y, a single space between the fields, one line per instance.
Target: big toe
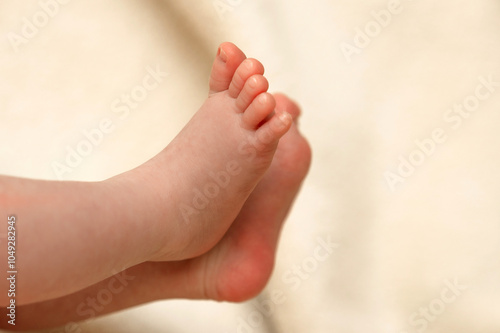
pixel 228 59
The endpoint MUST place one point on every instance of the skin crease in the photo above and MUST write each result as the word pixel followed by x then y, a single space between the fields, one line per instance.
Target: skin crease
pixel 236 268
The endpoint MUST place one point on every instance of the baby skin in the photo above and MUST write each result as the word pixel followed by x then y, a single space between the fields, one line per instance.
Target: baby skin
pixel 195 203
pixel 203 178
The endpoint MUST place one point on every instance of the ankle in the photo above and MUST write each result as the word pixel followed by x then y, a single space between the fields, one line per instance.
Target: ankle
pixel 132 202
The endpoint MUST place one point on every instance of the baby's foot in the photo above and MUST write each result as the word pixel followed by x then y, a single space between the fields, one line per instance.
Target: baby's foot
pixel 201 180
pixel 239 267
pixel 236 269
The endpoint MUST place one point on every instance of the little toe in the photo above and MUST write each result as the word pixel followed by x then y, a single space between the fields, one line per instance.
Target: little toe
pixel 260 108
pixel 254 86
pixel 229 58
pixel 247 68
pixel 268 135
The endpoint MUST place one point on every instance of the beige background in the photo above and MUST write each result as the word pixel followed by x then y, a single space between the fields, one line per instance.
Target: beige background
pixel 396 248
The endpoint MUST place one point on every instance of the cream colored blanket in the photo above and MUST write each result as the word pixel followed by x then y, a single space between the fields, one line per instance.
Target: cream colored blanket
pixel 401 105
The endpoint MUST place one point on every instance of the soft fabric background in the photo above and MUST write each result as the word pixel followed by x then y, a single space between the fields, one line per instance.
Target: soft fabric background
pixel 397 249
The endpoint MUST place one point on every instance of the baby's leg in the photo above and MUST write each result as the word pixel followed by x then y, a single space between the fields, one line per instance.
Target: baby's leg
pixel 251 239
pixel 70 235
pixel 176 206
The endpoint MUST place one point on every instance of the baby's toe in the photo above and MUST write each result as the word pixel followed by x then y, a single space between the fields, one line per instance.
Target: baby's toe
pixel 268 135
pixel 260 108
pixel 246 69
pixel 229 58
pixel 254 86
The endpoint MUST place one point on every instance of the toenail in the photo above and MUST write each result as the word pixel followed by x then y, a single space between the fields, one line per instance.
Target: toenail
pixel 252 82
pixel 263 99
pixel 249 64
pixel 285 118
pixel 222 54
